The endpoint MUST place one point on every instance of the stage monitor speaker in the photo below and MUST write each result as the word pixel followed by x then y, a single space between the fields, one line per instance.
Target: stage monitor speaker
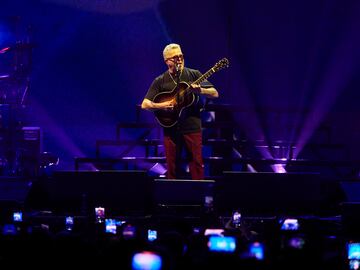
pixel 182 196
pixel 351 190
pixel 29 148
pixel 79 192
pixel 278 194
pixel 182 191
pixel 350 208
pixel 350 218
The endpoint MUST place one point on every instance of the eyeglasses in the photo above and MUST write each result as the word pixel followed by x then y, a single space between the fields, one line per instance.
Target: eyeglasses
pixel 176 58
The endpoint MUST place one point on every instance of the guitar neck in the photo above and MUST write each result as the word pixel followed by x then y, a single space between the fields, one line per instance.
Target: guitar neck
pixel 206 75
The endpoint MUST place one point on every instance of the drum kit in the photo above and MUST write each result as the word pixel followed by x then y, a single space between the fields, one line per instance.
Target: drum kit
pixel 19 150
pixel 15 65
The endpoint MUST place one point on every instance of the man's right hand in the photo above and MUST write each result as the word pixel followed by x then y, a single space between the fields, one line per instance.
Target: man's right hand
pixel 147 104
pixel 167 105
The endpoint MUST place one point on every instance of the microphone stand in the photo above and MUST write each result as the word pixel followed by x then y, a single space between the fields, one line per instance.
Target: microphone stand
pixel 178 137
pixel 177 80
pixel 177 73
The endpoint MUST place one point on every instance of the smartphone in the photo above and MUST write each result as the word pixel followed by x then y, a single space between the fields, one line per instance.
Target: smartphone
pixel 219 232
pixel 354 264
pixel 9 229
pixel 256 250
pixel 17 217
pixel 119 222
pixel 293 242
pixel 222 243
pixel 236 219
pixel 110 226
pixel 196 230
pixel 353 255
pixel 152 235
pixel 69 223
pixel 129 231
pixel 209 201
pixel 290 224
pixel 99 214
pixel 146 260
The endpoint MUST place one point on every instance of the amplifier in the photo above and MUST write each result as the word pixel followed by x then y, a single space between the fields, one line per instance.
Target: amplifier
pixel 28 151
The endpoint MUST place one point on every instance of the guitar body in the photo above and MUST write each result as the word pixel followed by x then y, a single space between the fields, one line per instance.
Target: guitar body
pixel 182 97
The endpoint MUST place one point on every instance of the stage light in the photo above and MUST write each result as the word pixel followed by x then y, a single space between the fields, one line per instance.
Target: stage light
pixel 157 170
pixel 278 168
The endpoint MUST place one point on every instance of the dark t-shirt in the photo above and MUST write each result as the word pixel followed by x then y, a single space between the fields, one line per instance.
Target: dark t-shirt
pixel 189 120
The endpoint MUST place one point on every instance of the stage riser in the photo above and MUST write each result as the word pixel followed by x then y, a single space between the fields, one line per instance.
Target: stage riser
pixel 350 209
pixel 278 194
pixel 14 192
pixel 134 193
pixel 79 192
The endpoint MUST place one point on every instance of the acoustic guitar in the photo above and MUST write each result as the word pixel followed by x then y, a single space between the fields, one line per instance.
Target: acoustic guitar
pixel 182 97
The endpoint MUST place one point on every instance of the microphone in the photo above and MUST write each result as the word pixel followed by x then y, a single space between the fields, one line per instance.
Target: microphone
pixel 177 67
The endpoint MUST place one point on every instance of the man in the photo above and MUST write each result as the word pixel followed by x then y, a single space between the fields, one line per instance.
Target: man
pixel 187 129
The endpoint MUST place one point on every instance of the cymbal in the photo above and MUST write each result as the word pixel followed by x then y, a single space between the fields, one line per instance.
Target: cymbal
pixel 18 46
pixel 4 76
pixel 4 50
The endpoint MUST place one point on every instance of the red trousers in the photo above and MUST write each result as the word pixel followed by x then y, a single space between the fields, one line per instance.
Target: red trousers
pixel 173 150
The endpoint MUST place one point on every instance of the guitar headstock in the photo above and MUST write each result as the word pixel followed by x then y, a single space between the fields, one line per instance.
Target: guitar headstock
pixel 223 63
